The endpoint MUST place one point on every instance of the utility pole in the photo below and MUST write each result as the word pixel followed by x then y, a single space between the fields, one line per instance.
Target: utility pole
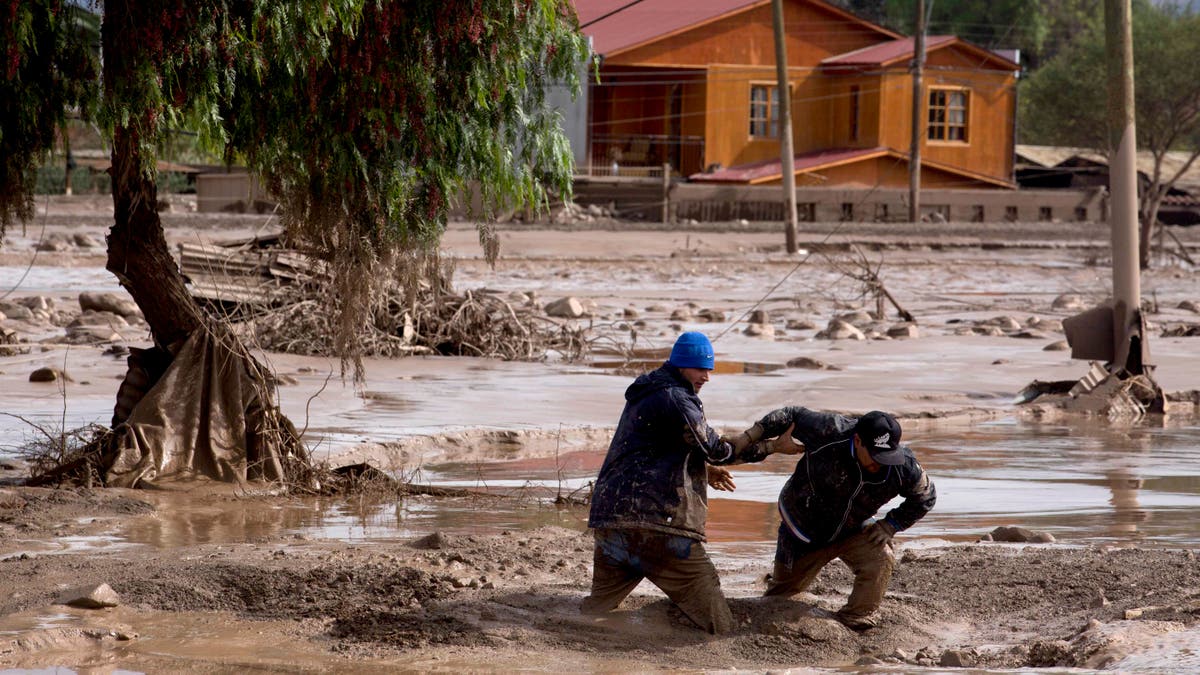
pixel 1122 177
pixel 786 153
pixel 918 126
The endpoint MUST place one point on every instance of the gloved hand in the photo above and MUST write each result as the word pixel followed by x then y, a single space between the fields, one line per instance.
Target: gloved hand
pixel 880 532
pixel 784 444
pixel 719 478
pixel 745 439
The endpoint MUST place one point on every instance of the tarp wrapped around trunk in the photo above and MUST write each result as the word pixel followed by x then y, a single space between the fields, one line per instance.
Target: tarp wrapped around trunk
pixel 204 418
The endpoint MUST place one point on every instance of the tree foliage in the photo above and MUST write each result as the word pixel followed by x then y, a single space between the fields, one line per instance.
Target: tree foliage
pixel 50 73
pixel 1035 27
pixel 365 118
pixel 1065 102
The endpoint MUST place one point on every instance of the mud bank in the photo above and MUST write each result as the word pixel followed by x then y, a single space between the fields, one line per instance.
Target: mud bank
pixel 510 600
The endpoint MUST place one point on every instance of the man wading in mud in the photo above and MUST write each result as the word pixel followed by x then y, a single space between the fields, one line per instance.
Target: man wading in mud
pixel 650 503
pixel 849 469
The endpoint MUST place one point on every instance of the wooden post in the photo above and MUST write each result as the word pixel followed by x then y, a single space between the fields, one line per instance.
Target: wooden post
pixel 666 193
pixel 786 153
pixel 918 126
pixel 1122 179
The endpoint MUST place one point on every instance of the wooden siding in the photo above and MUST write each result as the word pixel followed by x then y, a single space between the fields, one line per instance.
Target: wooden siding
pixel 747 38
pixel 717 63
pixel 990 113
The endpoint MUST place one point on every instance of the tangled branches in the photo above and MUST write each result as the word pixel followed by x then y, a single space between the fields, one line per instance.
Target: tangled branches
pixel 420 314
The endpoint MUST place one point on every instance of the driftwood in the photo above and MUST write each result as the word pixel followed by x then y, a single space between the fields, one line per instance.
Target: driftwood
pixel 279 300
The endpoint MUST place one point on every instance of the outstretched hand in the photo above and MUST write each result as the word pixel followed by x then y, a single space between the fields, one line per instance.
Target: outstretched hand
pixel 784 444
pixel 719 478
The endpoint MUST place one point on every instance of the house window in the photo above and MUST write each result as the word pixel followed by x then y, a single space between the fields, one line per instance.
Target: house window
pixel 948 115
pixel 854 112
pixel 764 111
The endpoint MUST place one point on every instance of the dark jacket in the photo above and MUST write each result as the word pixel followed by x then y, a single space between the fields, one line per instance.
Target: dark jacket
pixel 830 495
pixel 654 476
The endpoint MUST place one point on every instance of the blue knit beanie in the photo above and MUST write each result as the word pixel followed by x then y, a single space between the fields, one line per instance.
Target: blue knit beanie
pixel 692 350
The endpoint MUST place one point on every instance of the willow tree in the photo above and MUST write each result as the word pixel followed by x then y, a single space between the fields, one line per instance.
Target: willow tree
pixel 364 118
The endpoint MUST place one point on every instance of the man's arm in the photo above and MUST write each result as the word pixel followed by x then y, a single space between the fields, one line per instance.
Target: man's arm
pixel 919 497
pixel 803 424
pixel 697 434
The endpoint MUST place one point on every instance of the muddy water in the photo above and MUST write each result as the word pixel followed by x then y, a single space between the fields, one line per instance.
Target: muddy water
pixel 1085 484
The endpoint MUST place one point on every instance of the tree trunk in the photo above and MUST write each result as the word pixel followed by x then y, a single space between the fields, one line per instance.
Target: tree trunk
pixel 137 249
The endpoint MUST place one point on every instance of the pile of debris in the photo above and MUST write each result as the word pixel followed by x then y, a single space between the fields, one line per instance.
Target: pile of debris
pixel 279 299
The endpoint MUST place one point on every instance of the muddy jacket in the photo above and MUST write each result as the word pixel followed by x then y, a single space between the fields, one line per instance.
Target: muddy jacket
pixel 654 476
pixel 830 495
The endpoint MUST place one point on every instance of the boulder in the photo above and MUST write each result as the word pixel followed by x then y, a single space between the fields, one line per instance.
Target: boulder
pixel 565 308
pixel 710 315
pixel 1021 535
pixel 1003 322
pixel 1057 346
pixel 108 302
pixel 759 316
pixel 904 330
pixel 48 374
pixel 630 313
pixel 958 658
pixel 433 541
pixel 810 364
pixel 90 597
pixel 840 330
pixel 799 324
pixel 858 317
pixel 1190 306
pixel 681 314
pixel 764 331
pixel 1068 301
pixel 83 240
pixel 53 244
pixel 16 312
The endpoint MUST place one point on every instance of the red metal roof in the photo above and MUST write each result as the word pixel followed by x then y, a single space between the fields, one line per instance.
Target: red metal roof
pixel 648 19
pixel 773 168
pixel 884 53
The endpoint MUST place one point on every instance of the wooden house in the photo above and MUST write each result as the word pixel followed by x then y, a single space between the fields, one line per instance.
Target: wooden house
pixel 692 83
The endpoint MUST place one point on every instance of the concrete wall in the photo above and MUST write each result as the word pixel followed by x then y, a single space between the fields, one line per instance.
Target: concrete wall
pixel 708 202
pixel 230 192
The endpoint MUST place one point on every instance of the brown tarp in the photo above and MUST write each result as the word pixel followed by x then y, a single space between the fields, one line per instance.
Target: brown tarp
pixel 204 418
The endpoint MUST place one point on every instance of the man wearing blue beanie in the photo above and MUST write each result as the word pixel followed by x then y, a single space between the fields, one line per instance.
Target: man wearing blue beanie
pixel 650 504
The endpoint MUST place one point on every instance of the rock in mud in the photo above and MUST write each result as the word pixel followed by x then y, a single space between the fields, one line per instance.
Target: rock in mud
pixel 1020 535
pixel 108 302
pixel 1005 323
pixel 841 330
pixel 763 331
pixel 759 316
pixel 1190 306
pixel 710 315
pixel 1057 346
pixel 630 313
pixel 1068 301
pixel 83 240
pixel 48 374
pixel 958 658
pixel 856 318
pixel 90 597
pixel 16 312
pixel 799 324
pixel 903 330
pixel 681 314
pixel 565 308
pixel 434 541
pixel 810 364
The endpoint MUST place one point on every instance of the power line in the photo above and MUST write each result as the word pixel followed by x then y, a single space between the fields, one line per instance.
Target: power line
pixel 615 11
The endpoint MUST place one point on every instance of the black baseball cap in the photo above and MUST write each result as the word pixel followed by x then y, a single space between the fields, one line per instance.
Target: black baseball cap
pixel 880 432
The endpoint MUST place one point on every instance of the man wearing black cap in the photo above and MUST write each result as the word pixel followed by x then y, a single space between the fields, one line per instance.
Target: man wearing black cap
pixel 850 467
pixel 650 504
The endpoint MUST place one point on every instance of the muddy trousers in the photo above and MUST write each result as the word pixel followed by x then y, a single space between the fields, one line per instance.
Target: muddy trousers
pixel 797 565
pixel 677 565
